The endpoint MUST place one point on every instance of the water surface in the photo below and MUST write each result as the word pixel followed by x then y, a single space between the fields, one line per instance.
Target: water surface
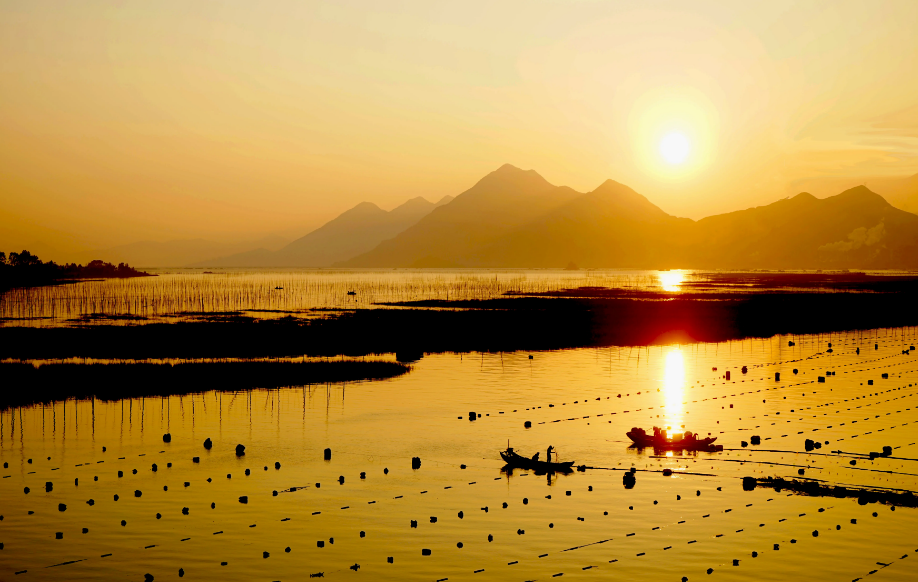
pixel 580 401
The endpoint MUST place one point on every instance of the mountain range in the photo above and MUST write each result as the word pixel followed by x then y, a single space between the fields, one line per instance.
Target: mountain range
pixel 515 218
pixel 354 232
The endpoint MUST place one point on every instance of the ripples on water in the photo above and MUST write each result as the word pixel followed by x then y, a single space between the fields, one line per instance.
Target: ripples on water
pixel 681 525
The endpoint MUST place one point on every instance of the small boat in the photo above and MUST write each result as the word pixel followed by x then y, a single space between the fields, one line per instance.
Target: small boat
pixel 659 440
pixel 513 459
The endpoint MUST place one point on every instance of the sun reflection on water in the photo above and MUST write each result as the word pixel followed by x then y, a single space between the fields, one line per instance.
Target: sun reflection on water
pixel 671 280
pixel 674 389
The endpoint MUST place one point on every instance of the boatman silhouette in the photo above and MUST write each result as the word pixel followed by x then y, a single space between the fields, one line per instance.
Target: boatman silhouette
pixel 550 449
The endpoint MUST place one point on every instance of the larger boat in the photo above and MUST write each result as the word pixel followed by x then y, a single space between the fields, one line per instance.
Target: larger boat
pixel 513 459
pixel 660 440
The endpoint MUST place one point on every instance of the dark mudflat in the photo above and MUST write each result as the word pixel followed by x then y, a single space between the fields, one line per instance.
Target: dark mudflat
pixel 58 381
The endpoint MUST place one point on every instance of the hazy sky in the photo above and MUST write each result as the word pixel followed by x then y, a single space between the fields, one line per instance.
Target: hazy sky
pixel 130 120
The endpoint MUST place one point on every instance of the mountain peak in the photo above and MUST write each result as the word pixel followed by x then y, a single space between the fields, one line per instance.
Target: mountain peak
pixel 509 176
pixel 858 191
pixel 415 206
pixel 610 186
pixel 365 208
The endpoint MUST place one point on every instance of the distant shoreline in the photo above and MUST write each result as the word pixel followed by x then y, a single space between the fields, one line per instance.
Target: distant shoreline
pixel 23 270
pixel 491 325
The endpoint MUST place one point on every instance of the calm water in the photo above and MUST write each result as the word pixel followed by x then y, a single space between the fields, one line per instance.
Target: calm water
pixel 267 293
pixel 663 529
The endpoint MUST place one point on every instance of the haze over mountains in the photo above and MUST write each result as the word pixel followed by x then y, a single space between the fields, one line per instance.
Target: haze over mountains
pixel 354 232
pixel 514 218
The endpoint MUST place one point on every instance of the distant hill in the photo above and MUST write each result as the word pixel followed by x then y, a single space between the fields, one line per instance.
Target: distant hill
pixel 901 192
pixel 855 229
pixel 353 232
pixel 515 218
pixel 499 203
pixel 611 226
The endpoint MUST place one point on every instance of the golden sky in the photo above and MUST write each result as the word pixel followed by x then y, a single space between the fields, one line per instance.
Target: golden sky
pixel 129 120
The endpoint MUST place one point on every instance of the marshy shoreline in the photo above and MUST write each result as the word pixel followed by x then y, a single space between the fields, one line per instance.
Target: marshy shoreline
pixel 56 381
pixel 411 329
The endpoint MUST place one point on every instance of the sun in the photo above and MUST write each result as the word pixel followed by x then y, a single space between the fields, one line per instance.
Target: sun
pixel 675 147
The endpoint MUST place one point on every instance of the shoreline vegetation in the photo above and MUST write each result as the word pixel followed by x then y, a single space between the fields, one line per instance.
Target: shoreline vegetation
pixel 27 270
pixel 114 381
pixel 411 329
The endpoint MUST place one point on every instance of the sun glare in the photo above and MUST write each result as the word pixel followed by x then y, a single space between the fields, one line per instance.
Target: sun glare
pixel 671 280
pixel 673 388
pixel 674 147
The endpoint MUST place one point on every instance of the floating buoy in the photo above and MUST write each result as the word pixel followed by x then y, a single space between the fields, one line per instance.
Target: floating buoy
pixel 240 450
pixel 527 424
pixel 415 463
pixel 208 443
pixel 328 454
pixel 277 464
pixel 425 552
pixel 62 507
pixel 167 438
pixel 244 499
pixel 184 511
pixel 137 493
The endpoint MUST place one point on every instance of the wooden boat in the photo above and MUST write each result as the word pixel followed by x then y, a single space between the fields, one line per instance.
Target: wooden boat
pixel 518 461
pixel 689 442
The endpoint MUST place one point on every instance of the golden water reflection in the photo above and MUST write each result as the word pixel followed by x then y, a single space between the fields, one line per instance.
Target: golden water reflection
pixel 671 280
pixel 674 389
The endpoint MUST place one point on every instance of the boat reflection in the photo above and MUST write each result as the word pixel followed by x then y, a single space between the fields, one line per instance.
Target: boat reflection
pixel 551 476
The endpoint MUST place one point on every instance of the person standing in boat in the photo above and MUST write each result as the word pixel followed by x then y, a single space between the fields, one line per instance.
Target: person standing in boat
pixel 550 449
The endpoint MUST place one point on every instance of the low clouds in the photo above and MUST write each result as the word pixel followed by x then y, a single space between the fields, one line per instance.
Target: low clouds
pixel 857 238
